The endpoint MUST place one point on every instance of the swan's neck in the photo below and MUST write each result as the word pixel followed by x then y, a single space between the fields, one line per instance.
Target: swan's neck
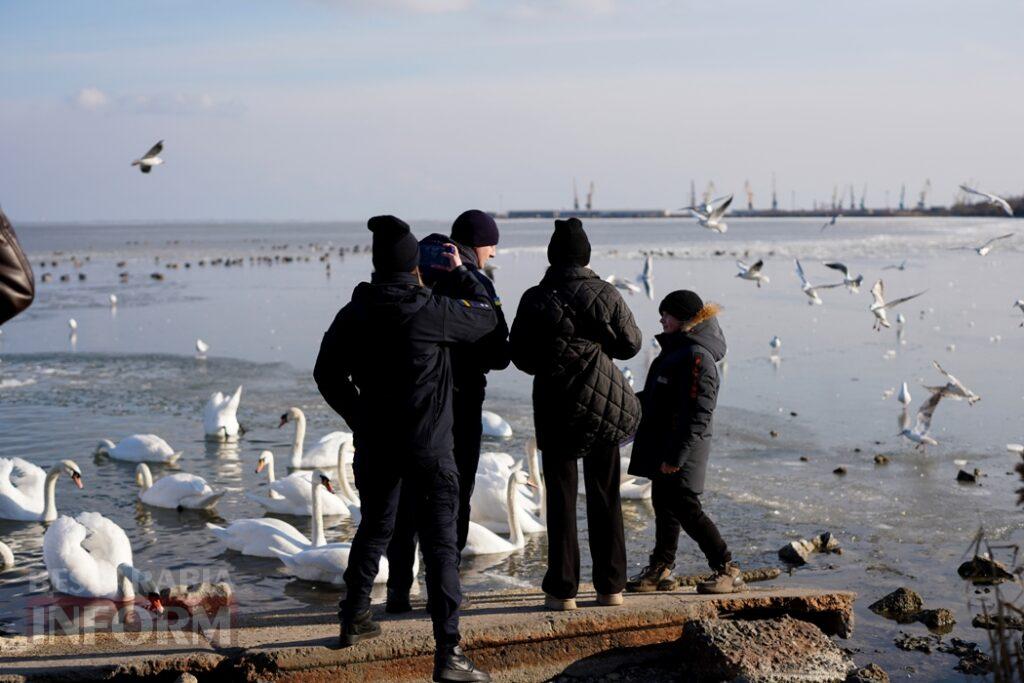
pixel 125 587
pixel 515 530
pixel 144 477
pixel 347 491
pixel 6 556
pixel 271 477
pixel 300 439
pixel 318 515
pixel 538 481
pixel 50 500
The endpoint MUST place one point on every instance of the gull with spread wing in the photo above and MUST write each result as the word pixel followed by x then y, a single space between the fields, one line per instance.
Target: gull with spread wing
pixel 985 248
pixel 920 433
pixel 991 199
pixel 150 158
pixel 811 290
pixel 852 283
pixel 752 273
pixel 710 216
pixel 831 221
pixel 954 388
pixel 879 305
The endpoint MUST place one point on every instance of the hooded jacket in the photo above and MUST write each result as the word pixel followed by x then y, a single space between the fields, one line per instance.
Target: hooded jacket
pixel 566 332
pixel 679 399
pixel 384 366
pixel 472 362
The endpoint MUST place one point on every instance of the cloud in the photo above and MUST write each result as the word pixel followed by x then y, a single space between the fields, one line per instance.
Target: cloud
pixel 91 99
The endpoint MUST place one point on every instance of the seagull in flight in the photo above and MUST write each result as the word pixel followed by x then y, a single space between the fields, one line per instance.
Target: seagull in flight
pixel 901 266
pixel 920 433
pixel 879 305
pixel 852 283
pixel 810 290
pixel 831 221
pixel 709 215
pixel 622 283
pixel 954 388
pixel 1019 303
pixel 647 277
pixel 992 199
pixel 201 348
pixel 150 158
pixel 984 249
pixel 752 273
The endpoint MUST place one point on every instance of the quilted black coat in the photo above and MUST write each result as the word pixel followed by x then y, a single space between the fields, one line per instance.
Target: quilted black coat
pixel 566 332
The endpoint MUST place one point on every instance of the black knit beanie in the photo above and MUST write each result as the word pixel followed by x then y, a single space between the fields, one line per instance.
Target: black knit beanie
pixel 474 228
pixel 395 250
pixel 569 245
pixel 681 304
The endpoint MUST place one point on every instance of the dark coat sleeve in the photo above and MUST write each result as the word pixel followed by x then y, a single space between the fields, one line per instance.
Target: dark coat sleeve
pixel 333 370
pixel 465 319
pixel 17 284
pixel 523 342
pixel 621 338
pixel 699 395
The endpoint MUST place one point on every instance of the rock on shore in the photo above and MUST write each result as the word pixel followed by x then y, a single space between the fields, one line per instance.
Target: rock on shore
pixel 903 605
pixel 761 651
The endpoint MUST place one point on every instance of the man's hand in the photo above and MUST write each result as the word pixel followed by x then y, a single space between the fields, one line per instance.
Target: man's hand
pixel 452 255
pixel 668 469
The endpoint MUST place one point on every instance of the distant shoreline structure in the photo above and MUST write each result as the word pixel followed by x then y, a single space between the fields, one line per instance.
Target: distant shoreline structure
pixel 976 209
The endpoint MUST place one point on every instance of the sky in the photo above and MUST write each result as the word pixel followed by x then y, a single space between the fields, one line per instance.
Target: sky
pixel 342 109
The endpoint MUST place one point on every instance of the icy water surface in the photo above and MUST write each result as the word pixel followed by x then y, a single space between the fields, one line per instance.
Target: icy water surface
pixel 132 370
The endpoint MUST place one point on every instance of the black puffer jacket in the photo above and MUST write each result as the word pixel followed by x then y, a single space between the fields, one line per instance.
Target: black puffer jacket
pixel 679 398
pixel 384 366
pixel 472 362
pixel 566 332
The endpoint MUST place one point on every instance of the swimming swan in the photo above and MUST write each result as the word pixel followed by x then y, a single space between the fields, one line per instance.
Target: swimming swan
pixel 293 495
pixel 139 448
pixel 27 493
pixel 482 541
pixel 324 453
pixel 220 416
pixel 180 491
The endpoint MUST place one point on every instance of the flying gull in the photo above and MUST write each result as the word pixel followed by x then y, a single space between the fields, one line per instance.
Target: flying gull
pixel 831 221
pixel 954 388
pixel 710 216
pixel 992 199
pixel 919 434
pixel 852 283
pixel 810 290
pixel 879 306
pixel 901 266
pixel 984 249
pixel 752 273
pixel 150 158
pixel 622 283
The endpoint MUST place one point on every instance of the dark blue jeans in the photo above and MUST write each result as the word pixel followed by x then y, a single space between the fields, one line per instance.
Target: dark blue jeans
pixel 432 488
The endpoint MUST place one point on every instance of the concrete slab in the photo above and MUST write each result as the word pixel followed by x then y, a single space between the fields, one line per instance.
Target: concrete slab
pixel 508 633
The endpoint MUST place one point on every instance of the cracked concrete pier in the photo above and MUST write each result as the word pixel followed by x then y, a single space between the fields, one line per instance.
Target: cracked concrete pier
pixel 508 633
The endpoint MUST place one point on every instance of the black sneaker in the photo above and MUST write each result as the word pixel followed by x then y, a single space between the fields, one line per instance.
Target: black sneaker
pixel 360 627
pixel 456 666
pixel 651 578
pixel 397 603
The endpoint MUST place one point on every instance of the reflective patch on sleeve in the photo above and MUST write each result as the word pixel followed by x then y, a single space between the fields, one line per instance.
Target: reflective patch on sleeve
pixel 475 304
pixel 497 302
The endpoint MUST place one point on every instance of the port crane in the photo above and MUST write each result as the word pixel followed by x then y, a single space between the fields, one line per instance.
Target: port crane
pixel 775 196
pixel 863 197
pixel 903 196
pixel 575 196
pixel 590 196
pixel 693 193
pixel 750 195
pixel 924 194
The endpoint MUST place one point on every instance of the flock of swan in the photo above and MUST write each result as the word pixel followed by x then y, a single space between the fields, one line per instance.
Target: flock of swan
pixel 90 556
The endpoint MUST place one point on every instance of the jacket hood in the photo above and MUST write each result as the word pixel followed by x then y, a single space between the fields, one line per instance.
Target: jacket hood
pixel 392 298
pixel 702 329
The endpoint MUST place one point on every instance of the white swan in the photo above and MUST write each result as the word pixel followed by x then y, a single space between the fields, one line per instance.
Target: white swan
pixel 139 448
pixel 482 541
pixel 324 453
pixel 488 505
pixel 325 563
pixel 293 494
pixel 494 425
pixel 269 537
pixel 6 557
pixel 91 557
pixel 27 494
pixel 180 491
pixel 220 416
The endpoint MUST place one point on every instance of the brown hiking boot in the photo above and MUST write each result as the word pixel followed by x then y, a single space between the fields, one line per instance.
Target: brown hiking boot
pixel 728 579
pixel 650 578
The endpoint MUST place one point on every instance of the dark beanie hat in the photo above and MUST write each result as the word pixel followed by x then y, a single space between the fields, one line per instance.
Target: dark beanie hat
pixel 474 228
pixel 395 250
pixel 681 304
pixel 569 245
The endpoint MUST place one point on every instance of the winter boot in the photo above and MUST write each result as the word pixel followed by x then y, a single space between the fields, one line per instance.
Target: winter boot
pixel 454 665
pixel 649 579
pixel 728 579
pixel 360 627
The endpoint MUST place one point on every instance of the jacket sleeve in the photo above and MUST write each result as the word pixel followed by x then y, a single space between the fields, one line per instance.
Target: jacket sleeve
pixel 465 319
pixel 621 336
pixel 493 348
pixel 522 338
pixel 333 372
pixel 699 395
pixel 17 283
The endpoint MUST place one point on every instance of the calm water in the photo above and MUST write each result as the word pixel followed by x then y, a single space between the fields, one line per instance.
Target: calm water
pixel 132 370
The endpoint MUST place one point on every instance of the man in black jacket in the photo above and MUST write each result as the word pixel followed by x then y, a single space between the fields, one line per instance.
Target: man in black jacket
pixel 674 440
pixel 566 332
pixel 475 235
pixel 384 367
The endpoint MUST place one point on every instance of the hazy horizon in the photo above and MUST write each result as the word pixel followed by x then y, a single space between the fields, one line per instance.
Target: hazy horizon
pixel 334 110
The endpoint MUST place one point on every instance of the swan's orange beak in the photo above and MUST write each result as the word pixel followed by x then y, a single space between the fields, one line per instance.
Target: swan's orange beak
pixel 156 604
pixel 77 478
pixel 327 484
pixel 260 465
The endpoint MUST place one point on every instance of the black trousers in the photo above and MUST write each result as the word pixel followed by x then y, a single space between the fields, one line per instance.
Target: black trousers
pixel 677 508
pixel 431 490
pixel 604 522
pixel 467 430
